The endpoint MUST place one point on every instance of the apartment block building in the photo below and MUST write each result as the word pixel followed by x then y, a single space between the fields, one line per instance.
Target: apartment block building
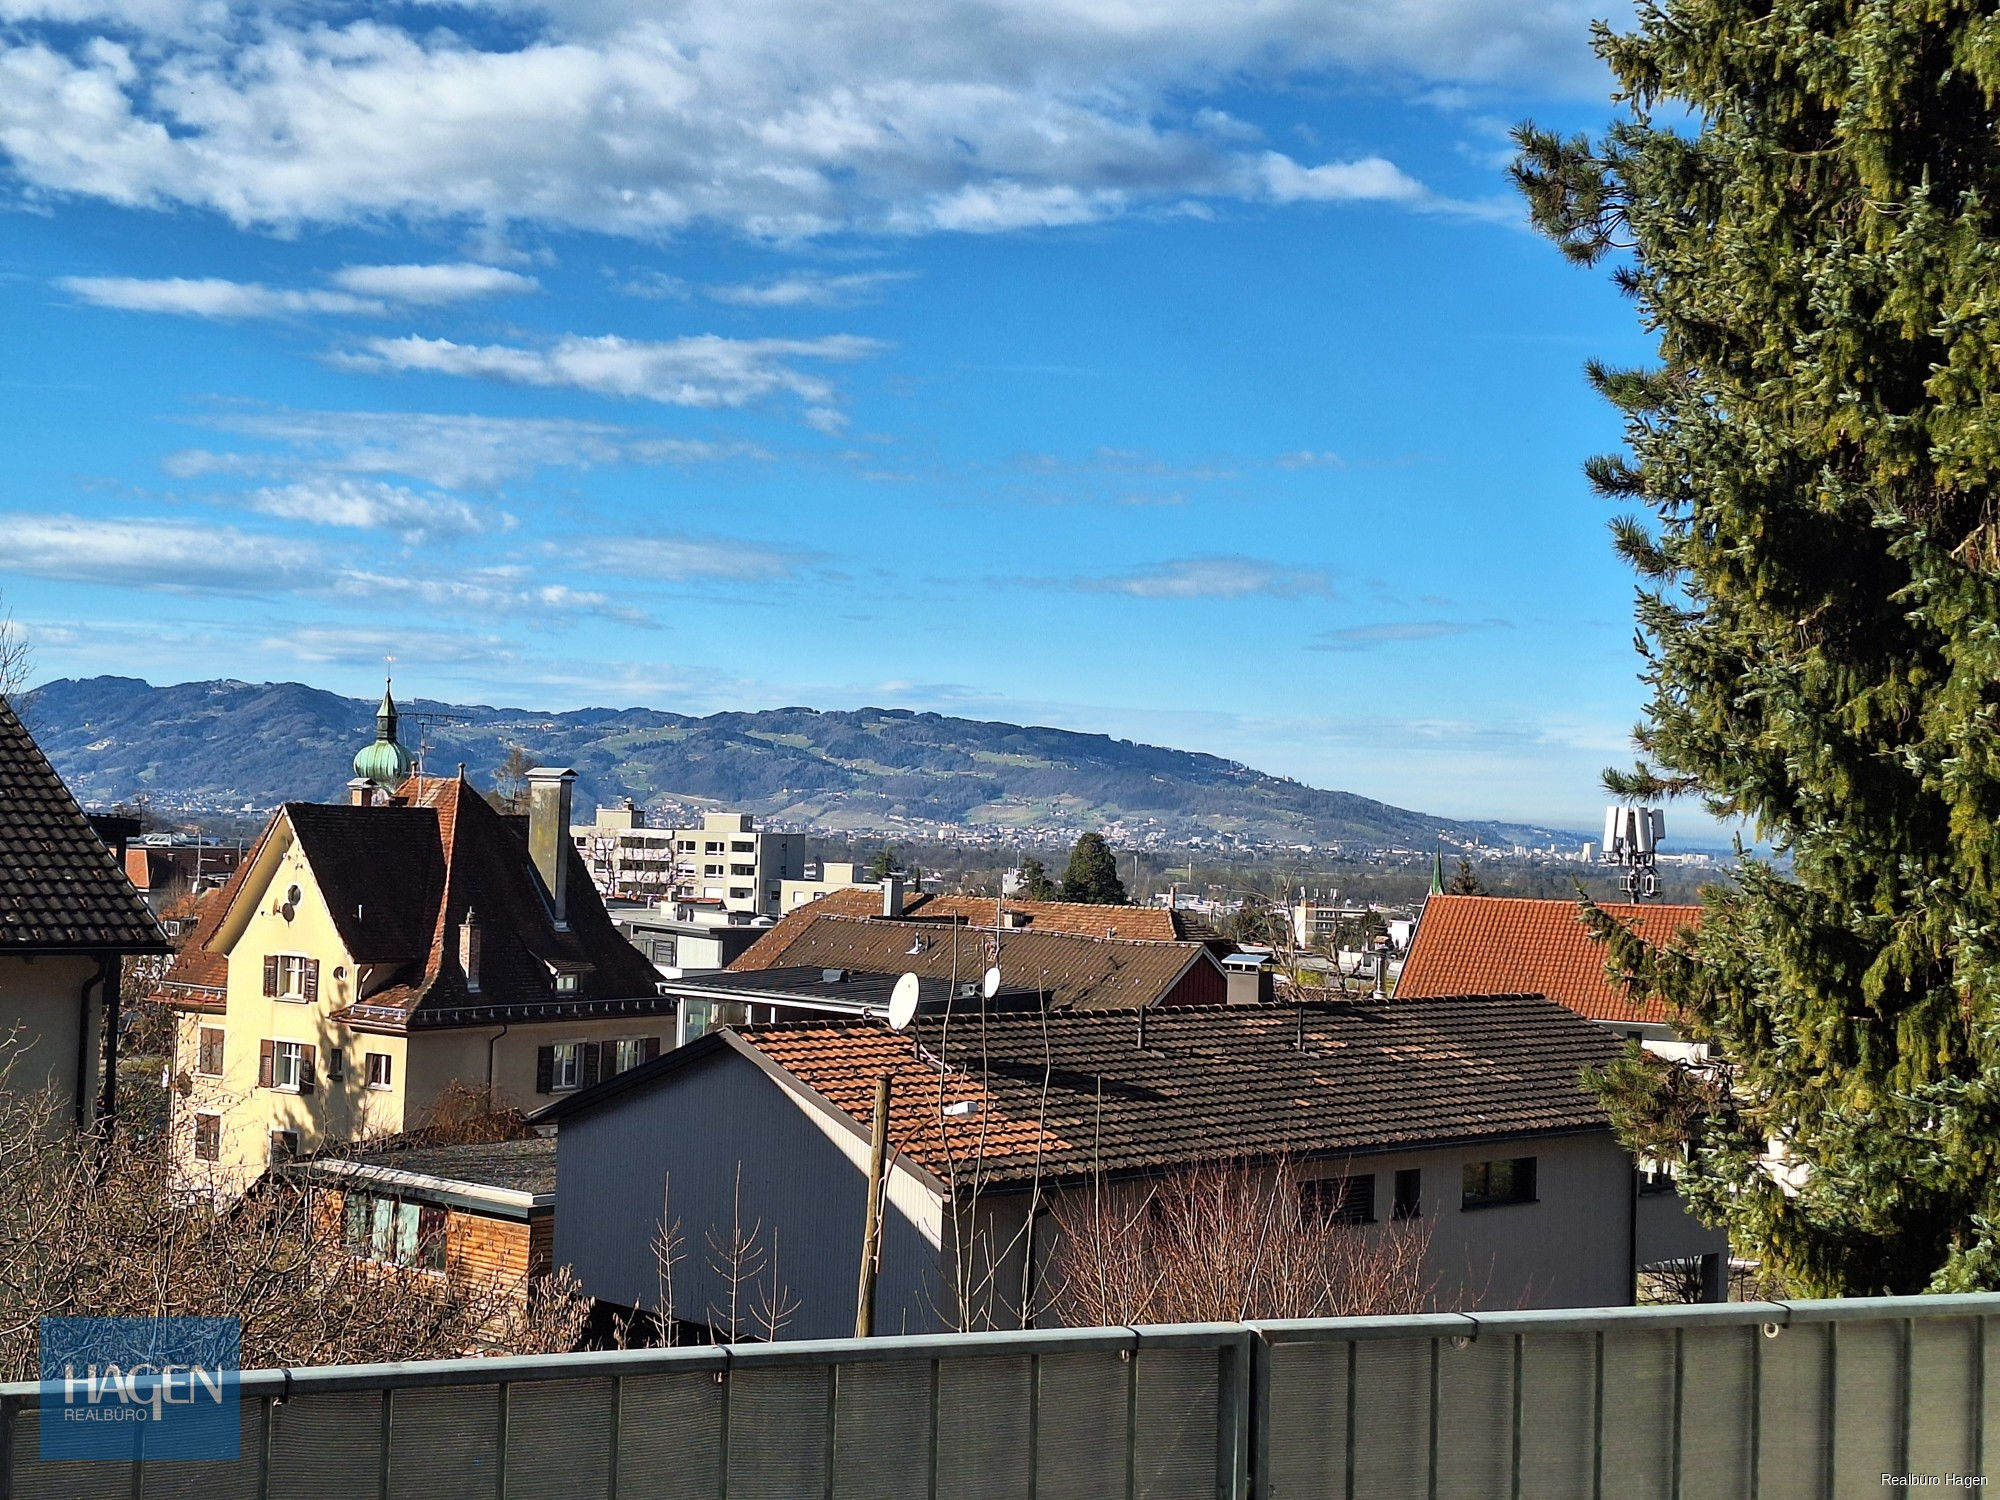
pixel 726 859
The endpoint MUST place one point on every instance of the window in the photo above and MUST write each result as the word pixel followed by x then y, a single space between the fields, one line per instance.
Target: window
pixel 666 951
pixel 1409 1194
pixel 565 984
pixel 750 870
pixel 208 1054
pixel 711 870
pixel 629 1052
pixel 1489 1184
pixel 291 976
pixel 711 848
pixel 395 1232
pixel 208 1137
pixel 287 1066
pixel 380 1070
pixel 742 846
pixel 336 1064
pixel 284 1146
pixel 1338 1200
pixel 565 1066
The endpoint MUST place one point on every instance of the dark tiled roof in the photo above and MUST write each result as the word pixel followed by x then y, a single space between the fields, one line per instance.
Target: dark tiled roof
pixel 1468 944
pixel 810 986
pixel 853 901
pixel 1076 972
pixel 60 887
pixel 1067 1094
pixel 399 880
pixel 523 1166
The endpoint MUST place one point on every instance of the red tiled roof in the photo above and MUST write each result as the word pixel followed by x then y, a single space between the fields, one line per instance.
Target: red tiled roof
pixel 1069 1093
pixel 1475 944
pixel 1085 973
pixel 399 879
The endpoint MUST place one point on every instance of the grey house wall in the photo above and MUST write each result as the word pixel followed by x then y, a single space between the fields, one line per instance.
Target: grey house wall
pixel 613 1163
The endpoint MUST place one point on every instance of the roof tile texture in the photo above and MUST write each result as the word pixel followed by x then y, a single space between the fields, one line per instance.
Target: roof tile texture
pixel 1068 1094
pixel 60 887
pixel 1484 944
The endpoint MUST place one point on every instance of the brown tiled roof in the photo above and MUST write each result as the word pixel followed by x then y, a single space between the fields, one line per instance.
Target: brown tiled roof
pixel 1151 924
pixel 1069 1094
pixel 1467 944
pixel 61 889
pixel 851 901
pixel 1076 972
pixel 399 880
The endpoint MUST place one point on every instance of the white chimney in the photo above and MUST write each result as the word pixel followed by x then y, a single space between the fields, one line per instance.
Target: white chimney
pixel 550 792
pixel 361 792
pixel 468 950
pixel 892 895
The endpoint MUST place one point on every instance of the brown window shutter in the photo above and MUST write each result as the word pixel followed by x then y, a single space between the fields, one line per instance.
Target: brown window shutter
pixel 271 975
pixel 311 982
pixel 308 1058
pixel 649 1048
pixel 545 1070
pixel 431 1237
pixel 264 1065
pixel 592 1061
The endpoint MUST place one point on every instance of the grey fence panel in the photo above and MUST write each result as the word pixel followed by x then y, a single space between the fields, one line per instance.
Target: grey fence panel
pixel 326 1446
pixel 986 1427
pixel 1945 1396
pixel 1794 1433
pixel 1718 1402
pixel 559 1439
pixel 1305 1450
pixel 883 1432
pixel 780 1432
pixel 670 1430
pixel 1807 1400
pixel 1083 1407
pixel 1178 1450
pixel 1558 1444
pixel 1475 1418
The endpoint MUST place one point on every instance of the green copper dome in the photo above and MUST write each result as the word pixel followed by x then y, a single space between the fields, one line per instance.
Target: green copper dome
pixel 386 762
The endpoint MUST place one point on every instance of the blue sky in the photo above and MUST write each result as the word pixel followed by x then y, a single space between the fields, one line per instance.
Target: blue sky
pixel 1178 371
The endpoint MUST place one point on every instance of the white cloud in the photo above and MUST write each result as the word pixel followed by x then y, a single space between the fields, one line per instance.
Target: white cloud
pixel 1211 578
pixel 454 282
pixel 211 297
pixel 704 370
pixel 807 289
pixel 178 557
pixel 369 504
pixel 1307 458
pixel 444 449
pixel 1399 633
pixel 769 117
pixel 677 558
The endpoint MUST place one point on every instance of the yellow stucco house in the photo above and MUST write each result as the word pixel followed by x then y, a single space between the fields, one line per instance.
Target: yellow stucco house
pixel 368 957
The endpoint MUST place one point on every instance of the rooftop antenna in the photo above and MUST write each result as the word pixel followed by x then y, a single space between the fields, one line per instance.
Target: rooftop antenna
pixel 1632 838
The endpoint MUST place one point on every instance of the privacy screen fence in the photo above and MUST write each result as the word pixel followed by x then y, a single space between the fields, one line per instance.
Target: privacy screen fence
pixel 1764 1400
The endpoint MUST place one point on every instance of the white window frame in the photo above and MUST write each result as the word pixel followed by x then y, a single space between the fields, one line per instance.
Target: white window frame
pixel 388 1070
pixel 282 1054
pixel 566 984
pixel 566 1067
pixel 292 976
pixel 221 1047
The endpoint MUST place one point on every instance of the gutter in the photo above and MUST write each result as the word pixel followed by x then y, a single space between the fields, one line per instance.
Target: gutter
pixel 514 1203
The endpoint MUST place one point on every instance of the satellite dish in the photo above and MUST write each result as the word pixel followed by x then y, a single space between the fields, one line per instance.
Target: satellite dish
pixel 989 985
pixel 903 1002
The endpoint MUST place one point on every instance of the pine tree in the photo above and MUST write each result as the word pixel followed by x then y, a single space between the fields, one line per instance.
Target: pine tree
pixel 1465 880
pixel 1032 881
pixel 1804 201
pixel 1092 874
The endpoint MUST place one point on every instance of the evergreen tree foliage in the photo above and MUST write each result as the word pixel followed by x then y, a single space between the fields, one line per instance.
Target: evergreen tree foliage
pixel 1464 880
pixel 1803 199
pixel 1032 881
pixel 882 866
pixel 1092 874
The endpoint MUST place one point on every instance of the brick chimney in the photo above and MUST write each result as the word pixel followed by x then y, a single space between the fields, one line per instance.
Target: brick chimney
pixel 550 791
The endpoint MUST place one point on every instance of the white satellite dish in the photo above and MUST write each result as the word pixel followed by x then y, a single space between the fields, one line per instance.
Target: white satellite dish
pixel 903 1002
pixel 989 985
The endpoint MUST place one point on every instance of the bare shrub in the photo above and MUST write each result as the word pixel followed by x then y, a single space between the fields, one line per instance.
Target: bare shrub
pixel 94 1227
pixel 1224 1243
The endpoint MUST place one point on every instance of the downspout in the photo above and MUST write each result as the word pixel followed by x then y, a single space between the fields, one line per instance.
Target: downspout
pixel 1632 1235
pixel 492 1042
pixel 83 1058
pixel 112 969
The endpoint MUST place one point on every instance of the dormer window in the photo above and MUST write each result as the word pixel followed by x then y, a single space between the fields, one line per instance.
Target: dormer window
pixel 565 984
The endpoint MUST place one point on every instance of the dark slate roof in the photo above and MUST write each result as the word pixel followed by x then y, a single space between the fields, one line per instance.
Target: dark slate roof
pixel 523 1166
pixel 854 987
pixel 1068 1093
pixel 60 887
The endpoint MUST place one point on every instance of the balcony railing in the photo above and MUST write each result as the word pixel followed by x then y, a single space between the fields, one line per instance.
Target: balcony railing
pixel 1772 1400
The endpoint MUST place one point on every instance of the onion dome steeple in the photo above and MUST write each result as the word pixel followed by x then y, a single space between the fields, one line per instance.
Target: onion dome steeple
pixel 386 762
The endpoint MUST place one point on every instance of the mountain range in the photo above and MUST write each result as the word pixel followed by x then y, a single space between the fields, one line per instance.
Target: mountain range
pixel 242 747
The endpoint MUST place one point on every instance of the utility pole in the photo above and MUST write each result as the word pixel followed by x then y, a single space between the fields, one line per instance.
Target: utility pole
pixel 871 1232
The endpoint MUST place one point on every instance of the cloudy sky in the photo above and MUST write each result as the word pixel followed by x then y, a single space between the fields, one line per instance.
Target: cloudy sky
pixel 1168 368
